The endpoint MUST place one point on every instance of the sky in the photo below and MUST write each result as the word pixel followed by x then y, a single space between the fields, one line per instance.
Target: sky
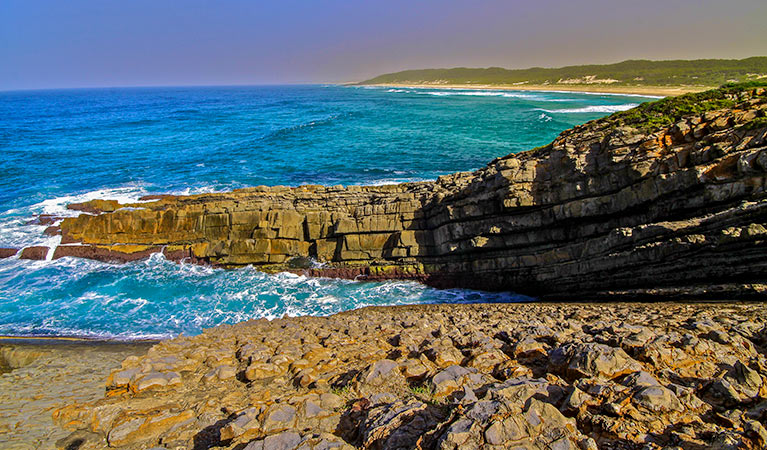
pixel 100 43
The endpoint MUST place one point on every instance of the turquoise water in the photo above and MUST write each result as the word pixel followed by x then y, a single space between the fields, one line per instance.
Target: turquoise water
pixel 58 147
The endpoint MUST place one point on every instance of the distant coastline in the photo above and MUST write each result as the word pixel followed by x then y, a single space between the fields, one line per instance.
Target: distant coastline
pixel 638 77
pixel 659 91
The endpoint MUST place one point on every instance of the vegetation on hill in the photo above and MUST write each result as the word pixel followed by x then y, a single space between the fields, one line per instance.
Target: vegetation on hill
pixel 670 110
pixel 700 72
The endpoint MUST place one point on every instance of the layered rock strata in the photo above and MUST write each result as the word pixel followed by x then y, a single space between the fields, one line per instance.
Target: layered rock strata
pixel 664 201
pixel 534 376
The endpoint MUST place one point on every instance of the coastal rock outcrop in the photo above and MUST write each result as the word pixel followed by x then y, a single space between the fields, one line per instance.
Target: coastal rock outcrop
pixel 607 376
pixel 6 252
pixel 666 200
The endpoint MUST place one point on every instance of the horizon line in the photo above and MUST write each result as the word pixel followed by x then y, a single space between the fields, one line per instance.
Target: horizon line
pixel 156 86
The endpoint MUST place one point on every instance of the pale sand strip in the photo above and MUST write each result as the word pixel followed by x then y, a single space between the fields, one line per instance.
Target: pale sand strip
pixel 662 91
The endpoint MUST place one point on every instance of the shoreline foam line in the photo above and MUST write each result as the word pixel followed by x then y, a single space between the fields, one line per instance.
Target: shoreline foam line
pixel 654 92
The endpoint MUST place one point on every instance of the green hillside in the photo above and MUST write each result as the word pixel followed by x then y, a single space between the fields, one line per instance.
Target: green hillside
pixel 699 72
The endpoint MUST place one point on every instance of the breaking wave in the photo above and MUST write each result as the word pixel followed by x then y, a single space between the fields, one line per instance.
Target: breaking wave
pixel 593 109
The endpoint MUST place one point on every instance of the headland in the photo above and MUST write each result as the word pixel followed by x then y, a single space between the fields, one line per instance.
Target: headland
pixel 662 202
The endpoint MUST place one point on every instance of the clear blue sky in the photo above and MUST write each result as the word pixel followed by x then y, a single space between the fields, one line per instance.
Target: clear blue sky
pixel 81 43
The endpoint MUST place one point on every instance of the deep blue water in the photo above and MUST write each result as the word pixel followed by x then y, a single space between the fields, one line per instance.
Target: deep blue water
pixel 58 147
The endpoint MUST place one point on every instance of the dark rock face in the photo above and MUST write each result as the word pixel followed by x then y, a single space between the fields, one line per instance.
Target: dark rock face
pixel 607 210
pixel 44 219
pixel 8 252
pixel 38 253
pixel 439 377
pixel 104 254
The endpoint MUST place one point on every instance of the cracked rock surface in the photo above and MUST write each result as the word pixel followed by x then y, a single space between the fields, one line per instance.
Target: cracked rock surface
pixel 477 376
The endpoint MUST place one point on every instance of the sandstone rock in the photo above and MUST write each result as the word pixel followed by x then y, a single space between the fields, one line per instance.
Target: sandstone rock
pixel 34 253
pixel 245 423
pixel 398 425
pixel 641 379
pixel 258 371
pixel 574 401
pixel 279 417
pixel 147 428
pixel 540 426
pixel 688 391
pixel 287 440
pixel 113 254
pixel 8 252
pixel 517 391
pixel 123 377
pixel 593 360
pixel 746 381
pixel 453 378
pixel 657 398
pixel 222 372
pixel 141 382
pixel 756 432
pixel 380 372
pixel 594 214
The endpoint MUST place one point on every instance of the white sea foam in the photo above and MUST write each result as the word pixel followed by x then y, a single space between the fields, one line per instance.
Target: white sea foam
pixel 529 95
pixel 505 94
pixel 614 94
pixel 390 181
pixel 593 109
pixel 57 206
pixel 17 231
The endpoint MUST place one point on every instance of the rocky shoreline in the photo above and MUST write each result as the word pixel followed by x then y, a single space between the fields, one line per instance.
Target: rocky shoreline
pixel 664 201
pixel 538 376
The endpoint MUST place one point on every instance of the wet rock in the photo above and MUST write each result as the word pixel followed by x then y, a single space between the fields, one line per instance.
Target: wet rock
pixel 113 254
pixel 38 253
pixel 538 222
pixel 8 252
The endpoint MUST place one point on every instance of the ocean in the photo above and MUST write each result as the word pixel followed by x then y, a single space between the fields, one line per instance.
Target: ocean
pixel 64 146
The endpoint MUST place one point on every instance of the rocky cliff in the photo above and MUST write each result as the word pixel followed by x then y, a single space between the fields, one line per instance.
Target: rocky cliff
pixel 663 201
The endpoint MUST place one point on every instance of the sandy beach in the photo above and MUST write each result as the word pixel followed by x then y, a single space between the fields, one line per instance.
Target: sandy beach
pixel 659 91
